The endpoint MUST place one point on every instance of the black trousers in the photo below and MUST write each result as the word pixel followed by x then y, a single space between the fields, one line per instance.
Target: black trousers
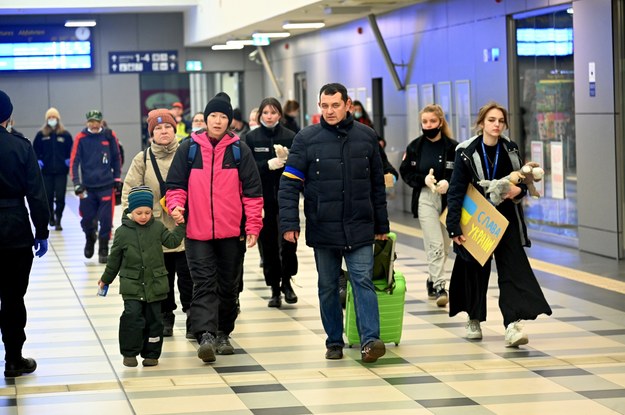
pixel 214 267
pixel 279 255
pixel 520 296
pixel 14 276
pixel 141 329
pixel 176 263
pixel 56 187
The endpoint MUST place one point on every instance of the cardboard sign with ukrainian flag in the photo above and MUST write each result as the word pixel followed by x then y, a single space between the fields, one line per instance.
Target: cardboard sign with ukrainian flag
pixel 482 225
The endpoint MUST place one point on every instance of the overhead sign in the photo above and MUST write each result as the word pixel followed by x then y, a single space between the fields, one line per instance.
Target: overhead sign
pixel 143 61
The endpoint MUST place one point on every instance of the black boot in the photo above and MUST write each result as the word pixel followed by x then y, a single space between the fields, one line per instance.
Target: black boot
pixel 57 225
pixel 13 369
pixel 275 300
pixel 103 251
pixel 289 295
pixel 169 318
pixel 51 221
pixel 90 244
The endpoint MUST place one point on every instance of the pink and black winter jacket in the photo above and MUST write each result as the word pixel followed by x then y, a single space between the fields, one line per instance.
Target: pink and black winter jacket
pixel 222 199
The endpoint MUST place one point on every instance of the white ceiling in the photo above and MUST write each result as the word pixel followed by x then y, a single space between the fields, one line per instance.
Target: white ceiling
pixel 332 12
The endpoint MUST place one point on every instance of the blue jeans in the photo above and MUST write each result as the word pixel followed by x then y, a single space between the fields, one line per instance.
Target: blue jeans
pixel 360 267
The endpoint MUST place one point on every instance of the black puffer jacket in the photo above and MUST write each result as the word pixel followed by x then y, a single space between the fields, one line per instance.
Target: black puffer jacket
pixel 340 172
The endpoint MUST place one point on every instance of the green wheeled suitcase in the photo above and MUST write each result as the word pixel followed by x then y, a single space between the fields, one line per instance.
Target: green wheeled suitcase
pixel 391 308
pixel 391 293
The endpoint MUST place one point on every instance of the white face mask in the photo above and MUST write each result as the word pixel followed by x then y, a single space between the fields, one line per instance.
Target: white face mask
pixel 9 128
pixel 269 126
pixel 52 122
pixel 194 129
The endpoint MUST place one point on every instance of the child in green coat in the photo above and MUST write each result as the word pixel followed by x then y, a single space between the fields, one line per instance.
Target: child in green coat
pixel 137 256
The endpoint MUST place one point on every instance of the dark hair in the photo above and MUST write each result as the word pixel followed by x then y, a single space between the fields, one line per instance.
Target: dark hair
pixel 268 102
pixel 290 106
pixel 364 111
pixel 332 89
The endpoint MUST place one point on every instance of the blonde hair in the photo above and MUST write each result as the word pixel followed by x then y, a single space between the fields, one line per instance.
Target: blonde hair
pixel 438 111
pixel 46 129
pixel 481 115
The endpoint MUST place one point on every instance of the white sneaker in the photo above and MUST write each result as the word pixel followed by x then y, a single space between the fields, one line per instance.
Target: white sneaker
pixel 474 331
pixel 514 335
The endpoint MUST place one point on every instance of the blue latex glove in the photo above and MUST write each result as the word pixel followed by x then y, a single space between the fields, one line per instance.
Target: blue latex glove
pixel 67 162
pixel 41 247
pixel 40 164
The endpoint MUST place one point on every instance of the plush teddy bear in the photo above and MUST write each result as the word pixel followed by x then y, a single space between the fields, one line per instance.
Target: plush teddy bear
pixel 497 189
pixel 532 173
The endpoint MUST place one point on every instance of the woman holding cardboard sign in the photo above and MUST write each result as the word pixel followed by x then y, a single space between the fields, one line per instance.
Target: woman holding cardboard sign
pixel 491 155
pixel 427 167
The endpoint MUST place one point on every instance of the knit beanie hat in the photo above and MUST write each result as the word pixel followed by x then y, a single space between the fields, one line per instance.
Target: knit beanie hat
pixel 159 116
pixel 140 196
pixel 6 108
pixel 220 103
pixel 53 112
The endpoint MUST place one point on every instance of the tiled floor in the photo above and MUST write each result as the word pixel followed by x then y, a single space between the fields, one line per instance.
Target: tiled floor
pixel 574 363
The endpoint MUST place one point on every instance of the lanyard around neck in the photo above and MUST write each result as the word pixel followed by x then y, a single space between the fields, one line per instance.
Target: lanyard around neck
pixel 486 161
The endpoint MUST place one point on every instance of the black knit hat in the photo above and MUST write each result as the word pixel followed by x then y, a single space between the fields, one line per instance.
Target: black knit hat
pixel 220 103
pixel 6 108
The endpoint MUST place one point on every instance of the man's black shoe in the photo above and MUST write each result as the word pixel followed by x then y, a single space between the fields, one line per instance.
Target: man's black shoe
pixel 206 351
pixel 19 368
pixel 334 352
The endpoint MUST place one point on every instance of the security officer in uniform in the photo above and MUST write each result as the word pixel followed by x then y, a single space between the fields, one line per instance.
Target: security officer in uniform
pixel 20 177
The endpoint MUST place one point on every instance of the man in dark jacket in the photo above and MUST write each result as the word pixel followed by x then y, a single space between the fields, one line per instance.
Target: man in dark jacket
pixel 337 165
pixel 19 177
pixel 95 167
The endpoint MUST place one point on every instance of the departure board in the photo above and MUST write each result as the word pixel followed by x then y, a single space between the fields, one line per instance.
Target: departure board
pixel 45 48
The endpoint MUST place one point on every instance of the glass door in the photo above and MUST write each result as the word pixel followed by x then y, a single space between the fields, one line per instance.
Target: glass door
pixel 545 121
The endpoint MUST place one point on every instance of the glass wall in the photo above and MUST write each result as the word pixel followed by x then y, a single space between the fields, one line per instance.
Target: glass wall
pixel 544 65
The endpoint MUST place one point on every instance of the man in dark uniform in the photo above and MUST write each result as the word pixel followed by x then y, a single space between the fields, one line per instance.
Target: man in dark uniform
pixel 95 169
pixel 20 177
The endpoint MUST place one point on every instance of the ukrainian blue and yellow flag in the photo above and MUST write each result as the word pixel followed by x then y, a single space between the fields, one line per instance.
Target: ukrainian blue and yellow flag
pixel 468 210
pixel 293 173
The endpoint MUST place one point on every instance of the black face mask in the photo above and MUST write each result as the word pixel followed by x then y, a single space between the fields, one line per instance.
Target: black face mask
pixel 432 132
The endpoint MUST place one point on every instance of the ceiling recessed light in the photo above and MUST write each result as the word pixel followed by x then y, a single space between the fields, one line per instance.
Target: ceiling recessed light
pixel 303 25
pixel 226 47
pixel 243 42
pixel 80 23
pixel 271 34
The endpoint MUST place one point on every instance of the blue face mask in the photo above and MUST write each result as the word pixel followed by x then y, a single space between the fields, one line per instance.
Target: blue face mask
pixel 357 114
